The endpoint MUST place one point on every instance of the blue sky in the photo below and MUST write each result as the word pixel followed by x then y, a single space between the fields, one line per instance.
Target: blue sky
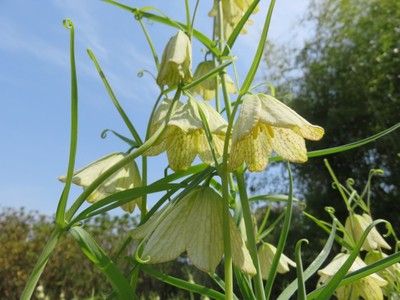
pixel 35 84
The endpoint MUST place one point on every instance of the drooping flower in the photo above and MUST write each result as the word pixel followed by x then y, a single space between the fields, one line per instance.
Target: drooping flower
pixel 369 287
pixel 207 88
pixel 185 136
pixel 266 253
pixel 356 225
pixel 233 11
pixel 125 178
pixel 176 62
pixel 264 125
pixel 193 224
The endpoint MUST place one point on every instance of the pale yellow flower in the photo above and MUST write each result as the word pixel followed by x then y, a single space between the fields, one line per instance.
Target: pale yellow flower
pixel 194 225
pixel 356 225
pixel 125 178
pixel 176 62
pixel 369 287
pixel 185 136
pixel 266 253
pixel 233 11
pixel 264 125
pixel 207 87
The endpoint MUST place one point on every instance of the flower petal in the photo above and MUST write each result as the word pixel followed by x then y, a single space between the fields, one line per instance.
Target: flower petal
pixel 289 145
pixel 254 149
pixel 248 118
pixel 205 248
pixel 277 114
pixel 181 150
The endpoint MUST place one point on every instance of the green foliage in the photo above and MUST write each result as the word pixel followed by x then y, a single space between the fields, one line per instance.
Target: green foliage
pixel 22 235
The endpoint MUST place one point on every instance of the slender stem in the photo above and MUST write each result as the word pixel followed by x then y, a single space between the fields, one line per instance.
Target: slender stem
pixel 227 236
pixel 188 21
pixel 251 240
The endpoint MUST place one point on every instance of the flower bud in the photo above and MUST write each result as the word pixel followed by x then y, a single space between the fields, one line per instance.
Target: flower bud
pixel 176 62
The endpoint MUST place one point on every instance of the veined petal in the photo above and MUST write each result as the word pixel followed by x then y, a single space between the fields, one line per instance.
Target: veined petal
pixel 216 122
pixel 204 237
pixel 248 118
pixel 277 114
pixel 181 150
pixel 168 239
pixel 289 145
pixel 240 255
pixel 254 149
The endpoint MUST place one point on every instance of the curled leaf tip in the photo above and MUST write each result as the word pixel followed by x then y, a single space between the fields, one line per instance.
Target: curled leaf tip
pixel 68 24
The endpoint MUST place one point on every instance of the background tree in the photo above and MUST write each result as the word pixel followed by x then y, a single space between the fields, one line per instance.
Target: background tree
pixel 350 85
pixel 346 78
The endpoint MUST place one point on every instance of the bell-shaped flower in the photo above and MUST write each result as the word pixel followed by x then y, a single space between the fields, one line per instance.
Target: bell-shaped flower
pixel 207 87
pixel 356 225
pixel 176 62
pixel 193 224
pixel 264 125
pixel 369 287
pixel 125 178
pixel 266 253
pixel 185 136
pixel 233 11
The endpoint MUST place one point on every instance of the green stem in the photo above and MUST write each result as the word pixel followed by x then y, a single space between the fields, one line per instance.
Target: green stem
pixel 227 237
pixel 41 263
pixel 251 240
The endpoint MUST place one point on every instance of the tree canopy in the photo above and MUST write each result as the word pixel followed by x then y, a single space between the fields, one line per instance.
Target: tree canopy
pixel 346 78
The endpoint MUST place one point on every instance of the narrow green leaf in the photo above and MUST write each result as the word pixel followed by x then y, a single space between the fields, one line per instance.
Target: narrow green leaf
pixel 182 284
pixel 238 28
pixel 94 252
pixel 301 293
pixel 40 264
pixel 114 99
pixel 346 147
pixel 245 286
pixel 62 204
pixel 282 238
pixel 130 142
pixel 273 198
pixel 259 53
pixel 313 267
